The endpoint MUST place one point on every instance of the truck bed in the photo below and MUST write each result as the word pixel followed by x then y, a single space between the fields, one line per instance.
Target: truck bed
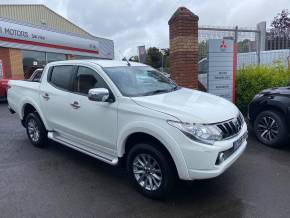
pixel 21 90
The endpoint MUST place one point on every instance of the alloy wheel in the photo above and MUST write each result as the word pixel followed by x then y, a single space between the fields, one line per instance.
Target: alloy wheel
pixel 147 172
pixel 33 130
pixel 268 128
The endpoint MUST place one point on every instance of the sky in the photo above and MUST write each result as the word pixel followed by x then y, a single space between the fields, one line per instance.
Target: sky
pixel 131 23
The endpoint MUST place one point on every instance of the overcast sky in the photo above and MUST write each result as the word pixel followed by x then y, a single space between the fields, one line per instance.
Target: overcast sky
pixel 141 22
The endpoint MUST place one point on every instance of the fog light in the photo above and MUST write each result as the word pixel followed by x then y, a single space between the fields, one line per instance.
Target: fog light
pixel 221 158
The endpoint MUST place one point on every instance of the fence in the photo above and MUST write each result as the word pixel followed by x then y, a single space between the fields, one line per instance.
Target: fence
pixel 253 46
pixel 266 58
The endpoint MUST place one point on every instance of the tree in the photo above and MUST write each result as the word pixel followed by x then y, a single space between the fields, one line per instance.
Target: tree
pixel 281 24
pixel 202 50
pixel 134 58
pixel 154 57
pixel 243 46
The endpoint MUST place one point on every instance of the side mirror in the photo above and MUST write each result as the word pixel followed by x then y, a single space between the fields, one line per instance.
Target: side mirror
pixel 99 94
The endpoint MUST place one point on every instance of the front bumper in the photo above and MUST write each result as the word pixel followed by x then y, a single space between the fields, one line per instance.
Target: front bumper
pixel 201 160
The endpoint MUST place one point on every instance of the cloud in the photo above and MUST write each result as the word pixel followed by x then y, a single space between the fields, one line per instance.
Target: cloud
pixel 131 23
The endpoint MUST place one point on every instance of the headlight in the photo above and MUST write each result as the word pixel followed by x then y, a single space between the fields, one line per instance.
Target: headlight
pixel 207 134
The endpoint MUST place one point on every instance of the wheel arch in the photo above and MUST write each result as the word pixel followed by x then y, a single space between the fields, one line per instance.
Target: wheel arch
pixel 165 142
pixel 275 106
pixel 30 107
pixel 139 137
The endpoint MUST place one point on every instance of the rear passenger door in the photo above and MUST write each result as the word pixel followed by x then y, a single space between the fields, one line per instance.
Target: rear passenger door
pixel 93 124
pixel 54 95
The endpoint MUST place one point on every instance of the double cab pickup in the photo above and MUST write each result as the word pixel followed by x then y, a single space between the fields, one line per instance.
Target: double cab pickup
pixel 129 113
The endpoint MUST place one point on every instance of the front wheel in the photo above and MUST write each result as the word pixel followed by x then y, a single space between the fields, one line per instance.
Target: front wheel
pixel 271 128
pixel 150 171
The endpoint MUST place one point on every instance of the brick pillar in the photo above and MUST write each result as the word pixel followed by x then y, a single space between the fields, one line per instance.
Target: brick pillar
pixel 5 57
pixel 12 62
pixel 183 33
pixel 16 63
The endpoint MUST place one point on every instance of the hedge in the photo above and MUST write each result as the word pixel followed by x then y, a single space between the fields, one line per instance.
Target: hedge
pixel 251 80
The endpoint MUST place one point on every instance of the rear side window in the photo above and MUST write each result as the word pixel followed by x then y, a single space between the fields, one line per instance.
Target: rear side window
pixel 60 76
pixel 37 76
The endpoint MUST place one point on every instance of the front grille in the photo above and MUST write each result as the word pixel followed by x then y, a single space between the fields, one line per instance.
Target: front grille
pixel 231 127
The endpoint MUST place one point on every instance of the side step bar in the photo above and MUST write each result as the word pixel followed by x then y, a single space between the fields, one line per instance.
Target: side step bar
pixel 11 110
pixel 107 159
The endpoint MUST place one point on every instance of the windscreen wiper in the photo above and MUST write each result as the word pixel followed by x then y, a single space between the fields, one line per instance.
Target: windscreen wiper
pixel 158 91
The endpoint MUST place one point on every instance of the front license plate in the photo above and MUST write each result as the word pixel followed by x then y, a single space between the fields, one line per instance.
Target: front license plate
pixel 240 141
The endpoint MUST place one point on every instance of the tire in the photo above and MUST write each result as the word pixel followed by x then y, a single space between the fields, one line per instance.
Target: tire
pixel 157 182
pixel 271 128
pixel 35 130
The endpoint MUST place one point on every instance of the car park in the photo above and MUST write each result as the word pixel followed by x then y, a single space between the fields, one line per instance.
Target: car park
pixel 121 112
pixel 270 116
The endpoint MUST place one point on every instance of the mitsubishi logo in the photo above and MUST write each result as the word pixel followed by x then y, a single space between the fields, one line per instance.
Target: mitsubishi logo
pixel 223 44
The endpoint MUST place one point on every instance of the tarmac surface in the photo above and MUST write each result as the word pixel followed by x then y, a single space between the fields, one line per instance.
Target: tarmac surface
pixel 60 182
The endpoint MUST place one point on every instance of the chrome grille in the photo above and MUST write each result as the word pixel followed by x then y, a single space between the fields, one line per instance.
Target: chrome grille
pixel 231 127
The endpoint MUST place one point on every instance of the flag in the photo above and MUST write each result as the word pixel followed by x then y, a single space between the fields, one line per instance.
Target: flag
pixel 142 54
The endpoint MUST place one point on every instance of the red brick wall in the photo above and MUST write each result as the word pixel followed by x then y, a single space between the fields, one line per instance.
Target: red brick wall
pixel 5 57
pixel 12 61
pixel 183 33
pixel 16 64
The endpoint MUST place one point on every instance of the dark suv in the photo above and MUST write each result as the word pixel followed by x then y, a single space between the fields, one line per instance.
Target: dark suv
pixel 269 114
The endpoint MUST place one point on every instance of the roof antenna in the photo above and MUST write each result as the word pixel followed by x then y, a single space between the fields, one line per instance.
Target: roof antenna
pixel 125 59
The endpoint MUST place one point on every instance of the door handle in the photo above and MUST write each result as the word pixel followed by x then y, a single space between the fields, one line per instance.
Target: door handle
pixel 46 96
pixel 75 105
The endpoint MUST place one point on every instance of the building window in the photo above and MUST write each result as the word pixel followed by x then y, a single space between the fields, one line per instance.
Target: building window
pixel 80 57
pixel 33 58
pixel 50 57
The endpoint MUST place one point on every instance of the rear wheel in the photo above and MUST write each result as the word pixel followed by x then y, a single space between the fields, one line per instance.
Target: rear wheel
pixel 150 171
pixel 35 130
pixel 271 128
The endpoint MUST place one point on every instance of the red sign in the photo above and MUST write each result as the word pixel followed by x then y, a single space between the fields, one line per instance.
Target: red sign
pixel 223 45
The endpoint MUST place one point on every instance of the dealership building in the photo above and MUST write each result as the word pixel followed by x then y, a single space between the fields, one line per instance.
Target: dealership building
pixel 35 35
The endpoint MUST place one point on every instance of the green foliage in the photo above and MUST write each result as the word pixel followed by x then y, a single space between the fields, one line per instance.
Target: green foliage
pixel 243 46
pixel 253 79
pixel 202 50
pixel 134 58
pixel 154 57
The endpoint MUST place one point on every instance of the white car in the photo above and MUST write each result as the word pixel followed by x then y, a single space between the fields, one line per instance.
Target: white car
pixel 121 112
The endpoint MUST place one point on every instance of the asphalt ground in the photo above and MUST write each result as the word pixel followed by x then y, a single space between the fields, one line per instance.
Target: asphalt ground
pixel 60 182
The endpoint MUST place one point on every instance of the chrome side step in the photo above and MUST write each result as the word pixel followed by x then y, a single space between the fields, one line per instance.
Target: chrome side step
pixel 10 109
pixel 105 158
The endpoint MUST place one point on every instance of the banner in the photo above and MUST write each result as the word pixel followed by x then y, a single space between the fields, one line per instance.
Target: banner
pixel 30 37
pixel 142 54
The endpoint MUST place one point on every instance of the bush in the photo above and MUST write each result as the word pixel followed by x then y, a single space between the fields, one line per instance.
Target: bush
pixel 251 80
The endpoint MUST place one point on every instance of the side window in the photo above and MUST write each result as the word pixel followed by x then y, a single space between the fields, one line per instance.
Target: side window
pixel 37 76
pixel 87 79
pixel 61 76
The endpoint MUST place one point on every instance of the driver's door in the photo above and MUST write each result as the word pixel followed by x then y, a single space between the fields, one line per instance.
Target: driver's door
pixel 93 124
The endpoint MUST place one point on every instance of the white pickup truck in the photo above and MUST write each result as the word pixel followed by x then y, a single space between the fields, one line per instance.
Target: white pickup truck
pixel 121 112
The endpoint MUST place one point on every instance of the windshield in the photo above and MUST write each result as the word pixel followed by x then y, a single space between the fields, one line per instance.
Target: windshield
pixel 139 81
